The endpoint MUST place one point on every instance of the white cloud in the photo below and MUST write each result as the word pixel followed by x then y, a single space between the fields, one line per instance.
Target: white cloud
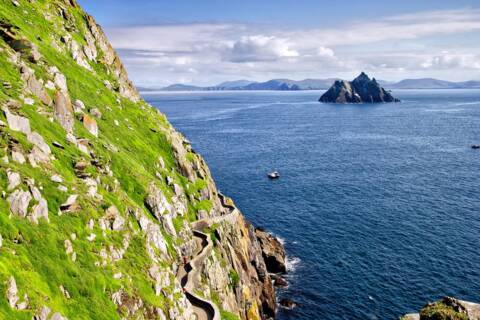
pixel 405 45
pixel 260 48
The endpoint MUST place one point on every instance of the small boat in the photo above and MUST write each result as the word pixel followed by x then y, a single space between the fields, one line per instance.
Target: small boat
pixel 476 146
pixel 274 175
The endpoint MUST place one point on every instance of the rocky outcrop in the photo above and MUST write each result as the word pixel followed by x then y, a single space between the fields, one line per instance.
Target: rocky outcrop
pixel 272 251
pixel 361 90
pixel 447 308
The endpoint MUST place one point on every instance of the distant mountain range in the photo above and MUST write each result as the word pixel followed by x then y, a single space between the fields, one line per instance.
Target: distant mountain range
pixel 317 84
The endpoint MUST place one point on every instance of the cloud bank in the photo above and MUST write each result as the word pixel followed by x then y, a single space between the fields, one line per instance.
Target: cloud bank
pixel 442 44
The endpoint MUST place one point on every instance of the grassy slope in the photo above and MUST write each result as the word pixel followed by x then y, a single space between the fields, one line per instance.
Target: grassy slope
pixel 38 261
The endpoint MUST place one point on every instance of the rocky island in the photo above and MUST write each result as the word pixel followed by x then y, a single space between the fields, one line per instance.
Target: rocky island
pixel 361 90
pixel 106 211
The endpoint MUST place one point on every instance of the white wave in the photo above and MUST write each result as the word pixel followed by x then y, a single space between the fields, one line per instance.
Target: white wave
pixel 291 263
pixel 467 103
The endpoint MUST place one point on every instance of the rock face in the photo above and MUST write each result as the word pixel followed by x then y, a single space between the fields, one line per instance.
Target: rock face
pixel 272 251
pixel 447 308
pixel 361 90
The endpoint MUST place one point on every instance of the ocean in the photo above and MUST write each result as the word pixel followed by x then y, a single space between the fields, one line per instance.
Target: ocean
pixel 378 205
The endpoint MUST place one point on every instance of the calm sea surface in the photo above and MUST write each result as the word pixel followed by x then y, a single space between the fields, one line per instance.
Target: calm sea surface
pixel 378 205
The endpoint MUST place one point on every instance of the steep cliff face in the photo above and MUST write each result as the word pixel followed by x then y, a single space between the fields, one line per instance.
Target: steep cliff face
pixel 102 200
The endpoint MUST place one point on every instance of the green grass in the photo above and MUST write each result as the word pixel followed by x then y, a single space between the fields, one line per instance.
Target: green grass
pixel 39 262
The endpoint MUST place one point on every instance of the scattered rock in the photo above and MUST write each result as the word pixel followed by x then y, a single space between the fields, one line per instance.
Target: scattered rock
pixel 90 124
pixel 71 204
pixel 37 140
pixel 78 106
pixel 63 111
pixel 112 220
pixel 96 113
pixel 29 101
pixel 56 178
pixel 35 86
pixel 19 201
pixel 42 314
pixel 12 292
pixel 18 156
pixel 60 81
pixel 40 210
pixel 64 291
pixel 91 237
pixel 58 145
pixel 17 123
pixel 13 180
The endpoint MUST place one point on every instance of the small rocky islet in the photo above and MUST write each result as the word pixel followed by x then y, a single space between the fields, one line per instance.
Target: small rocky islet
pixel 361 90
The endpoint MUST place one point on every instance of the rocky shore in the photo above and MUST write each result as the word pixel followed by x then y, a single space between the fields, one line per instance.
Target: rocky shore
pixel 447 308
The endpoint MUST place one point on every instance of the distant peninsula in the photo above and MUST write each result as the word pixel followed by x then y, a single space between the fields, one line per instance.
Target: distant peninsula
pixel 361 90
pixel 313 84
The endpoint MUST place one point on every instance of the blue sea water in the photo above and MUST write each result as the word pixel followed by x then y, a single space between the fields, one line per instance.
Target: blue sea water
pixel 378 205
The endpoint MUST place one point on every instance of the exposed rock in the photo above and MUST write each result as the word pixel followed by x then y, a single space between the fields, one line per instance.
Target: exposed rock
pixel 279 281
pixel 56 178
pixel 26 48
pixel 42 314
pixel 12 292
pixel 1 241
pixel 13 180
pixel 57 316
pixel 96 113
pixel 288 303
pixel 63 111
pixel 18 156
pixel 71 204
pixel 78 106
pixel 112 219
pixel 272 250
pixel 37 140
pixel 90 124
pixel 40 210
pixel 17 123
pixel 159 206
pixel 360 90
pixel 60 81
pixel 19 201
pixel 35 86
pixel 64 291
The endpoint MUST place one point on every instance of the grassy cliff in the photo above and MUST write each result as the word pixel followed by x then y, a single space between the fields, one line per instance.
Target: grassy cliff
pixel 98 190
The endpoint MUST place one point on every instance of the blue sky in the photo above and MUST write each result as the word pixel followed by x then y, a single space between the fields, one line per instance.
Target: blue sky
pixel 205 42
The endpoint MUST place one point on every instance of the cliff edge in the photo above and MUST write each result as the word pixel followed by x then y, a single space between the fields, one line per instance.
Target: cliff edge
pixel 103 203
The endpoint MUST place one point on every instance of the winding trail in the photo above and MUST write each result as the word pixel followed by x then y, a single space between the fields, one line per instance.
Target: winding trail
pixel 190 273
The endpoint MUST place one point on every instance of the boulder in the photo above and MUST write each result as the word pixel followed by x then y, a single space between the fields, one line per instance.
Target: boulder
pixel 12 292
pixel 90 124
pixel 17 123
pixel 71 204
pixel 40 210
pixel 35 86
pixel 112 219
pixel 13 180
pixel 361 90
pixel 272 250
pixel 19 201
pixel 37 140
pixel 63 111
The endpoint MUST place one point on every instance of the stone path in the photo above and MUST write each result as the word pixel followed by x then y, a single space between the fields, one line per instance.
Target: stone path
pixel 189 274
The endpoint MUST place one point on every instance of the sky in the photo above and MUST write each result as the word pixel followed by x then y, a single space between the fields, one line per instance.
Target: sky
pixel 209 41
